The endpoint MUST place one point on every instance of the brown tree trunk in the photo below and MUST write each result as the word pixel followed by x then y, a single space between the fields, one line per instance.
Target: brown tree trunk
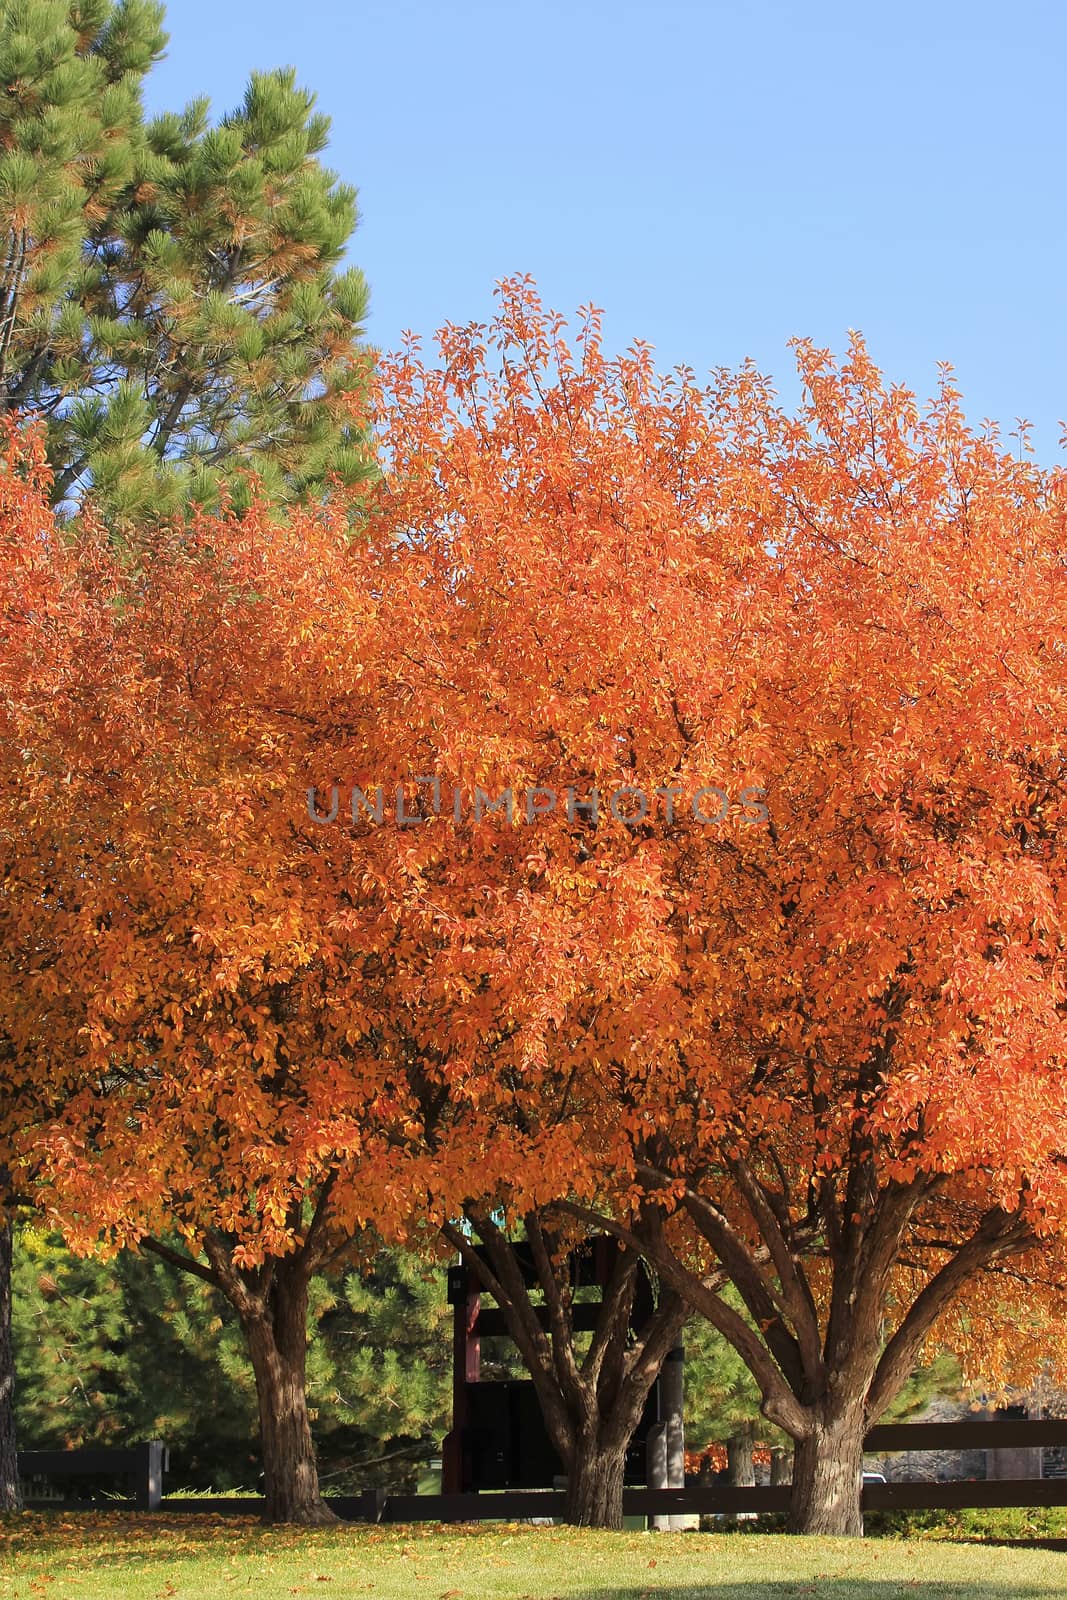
pixel 828 1473
pixel 591 1403
pixel 277 1342
pixel 740 1468
pixel 594 1485
pixel 10 1498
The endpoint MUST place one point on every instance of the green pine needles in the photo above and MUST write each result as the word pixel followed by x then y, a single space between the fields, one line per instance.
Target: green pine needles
pixel 173 301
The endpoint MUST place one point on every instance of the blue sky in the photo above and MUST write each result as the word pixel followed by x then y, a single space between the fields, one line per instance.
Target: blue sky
pixel 719 177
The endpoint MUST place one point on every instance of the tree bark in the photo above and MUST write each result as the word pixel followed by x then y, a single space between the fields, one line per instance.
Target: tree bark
pixel 10 1498
pixel 277 1342
pixel 828 1473
pixel 740 1469
pixel 591 1404
pixel 594 1485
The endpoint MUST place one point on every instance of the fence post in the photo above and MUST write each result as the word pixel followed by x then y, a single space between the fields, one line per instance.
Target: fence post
pixel 148 1483
pixel 656 1472
pixel 372 1503
pixel 672 1401
pixel 464 1296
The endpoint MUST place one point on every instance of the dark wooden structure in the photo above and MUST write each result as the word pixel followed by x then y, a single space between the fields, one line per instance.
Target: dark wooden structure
pixel 498 1439
pixel 138 1468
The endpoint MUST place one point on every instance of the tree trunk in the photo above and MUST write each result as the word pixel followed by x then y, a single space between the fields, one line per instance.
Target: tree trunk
pixel 591 1404
pixel 594 1486
pixel 10 1499
pixel 277 1342
pixel 781 1466
pixel 740 1469
pixel 828 1474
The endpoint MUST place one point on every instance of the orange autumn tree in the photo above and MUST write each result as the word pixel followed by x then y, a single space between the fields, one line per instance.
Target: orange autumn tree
pixel 814 1052
pixel 229 987
pixel 865 1067
pixel 821 1049
pixel 408 1048
pixel 165 945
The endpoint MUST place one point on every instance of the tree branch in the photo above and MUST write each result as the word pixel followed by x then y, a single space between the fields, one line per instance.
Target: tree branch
pixel 183 1263
pixel 996 1236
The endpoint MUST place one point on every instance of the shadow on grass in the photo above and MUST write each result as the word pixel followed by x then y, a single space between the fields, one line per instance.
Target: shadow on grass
pixel 831 1587
pixel 823 1586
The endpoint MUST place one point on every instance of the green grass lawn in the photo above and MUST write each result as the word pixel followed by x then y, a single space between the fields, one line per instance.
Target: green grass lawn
pixel 86 1557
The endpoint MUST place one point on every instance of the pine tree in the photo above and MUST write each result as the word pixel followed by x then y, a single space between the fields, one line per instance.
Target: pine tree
pixel 70 120
pixel 171 300
pixel 112 1352
pixel 380 1371
pixel 722 1403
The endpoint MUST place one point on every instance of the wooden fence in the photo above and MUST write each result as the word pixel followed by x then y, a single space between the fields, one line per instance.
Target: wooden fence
pixel 139 1466
pixel 143 1467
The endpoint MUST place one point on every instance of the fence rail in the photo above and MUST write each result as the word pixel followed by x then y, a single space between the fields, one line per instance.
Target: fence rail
pixel 142 1466
pixel 517 1505
pixel 1011 1433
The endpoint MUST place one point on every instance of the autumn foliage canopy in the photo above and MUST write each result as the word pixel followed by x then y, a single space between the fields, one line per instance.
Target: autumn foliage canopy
pixel 779 966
